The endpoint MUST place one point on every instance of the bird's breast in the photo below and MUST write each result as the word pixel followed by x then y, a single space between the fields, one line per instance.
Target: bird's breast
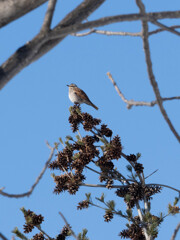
pixel 74 97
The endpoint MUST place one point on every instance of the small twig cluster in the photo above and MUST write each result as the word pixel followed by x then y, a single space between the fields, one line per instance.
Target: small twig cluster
pixel 32 221
pixel 102 150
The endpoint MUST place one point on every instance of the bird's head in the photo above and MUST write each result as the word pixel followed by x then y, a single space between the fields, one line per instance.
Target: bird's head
pixel 72 85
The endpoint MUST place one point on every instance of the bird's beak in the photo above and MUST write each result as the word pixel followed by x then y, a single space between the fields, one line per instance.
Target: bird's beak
pixel 67 85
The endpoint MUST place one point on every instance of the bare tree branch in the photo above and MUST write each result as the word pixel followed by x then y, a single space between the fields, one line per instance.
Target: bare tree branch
pixel 164 27
pixel 131 103
pixel 68 226
pixel 110 33
pixel 24 56
pixel 150 70
pixel 175 232
pixel 123 186
pixel 43 232
pixel 49 15
pixel 162 30
pixel 27 194
pixel 58 31
pixel 70 24
pixel 12 10
pixel 151 173
pixel 3 237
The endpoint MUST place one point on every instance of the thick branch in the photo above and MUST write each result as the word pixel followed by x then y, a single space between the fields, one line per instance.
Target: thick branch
pixel 12 10
pixel 27 194
pixel 150 70
pixel 70 24
pixel 58 31
pixel 24 56
pixel 49 15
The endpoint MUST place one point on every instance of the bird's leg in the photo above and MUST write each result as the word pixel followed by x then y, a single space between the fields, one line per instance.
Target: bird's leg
pixel 77 104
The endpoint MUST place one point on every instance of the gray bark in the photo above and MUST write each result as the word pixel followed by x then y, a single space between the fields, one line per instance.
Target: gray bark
pixel 31 50
pixel 11 10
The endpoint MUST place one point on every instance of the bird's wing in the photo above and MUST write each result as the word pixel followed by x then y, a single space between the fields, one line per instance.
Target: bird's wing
pixel 81 93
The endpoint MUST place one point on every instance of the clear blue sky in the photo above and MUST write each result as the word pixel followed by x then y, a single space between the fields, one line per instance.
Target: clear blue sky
pixel 34 108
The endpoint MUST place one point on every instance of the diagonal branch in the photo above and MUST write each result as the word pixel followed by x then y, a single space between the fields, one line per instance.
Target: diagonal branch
pixel 12 10
pixel 23 56
pixel 70 24
pixel 175 232
pixel 164 27
pixel 162 30
pixel 49 15
pixel 27 194
pixel 150 70
pixel 131 103
pixel 3 237
pixel 68 226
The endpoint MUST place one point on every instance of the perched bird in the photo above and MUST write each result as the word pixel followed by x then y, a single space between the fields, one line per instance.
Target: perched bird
pixel 78 96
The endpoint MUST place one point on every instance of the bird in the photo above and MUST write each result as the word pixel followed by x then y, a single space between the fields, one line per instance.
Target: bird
pixel 78 96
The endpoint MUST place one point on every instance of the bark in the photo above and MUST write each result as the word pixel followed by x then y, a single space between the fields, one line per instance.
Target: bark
pixel 31 51
pixel 11 10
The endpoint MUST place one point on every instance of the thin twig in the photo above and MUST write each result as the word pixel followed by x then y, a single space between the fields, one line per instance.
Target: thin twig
pixel 175 232
pixel 27 194
pixel 162 30
pixel 111 33
pixel 68 226
pixel 48 16
pixel 102 185
pixel 131 103
pixel 163 185
pixel 151 173
pixel 124 186
pixel 2 236
pixel 38 227
pixel 107 33
pixel 93 170
pixel 166 28
pixel 150 70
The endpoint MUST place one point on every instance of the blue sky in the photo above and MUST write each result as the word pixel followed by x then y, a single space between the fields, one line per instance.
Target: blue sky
pixel 34 108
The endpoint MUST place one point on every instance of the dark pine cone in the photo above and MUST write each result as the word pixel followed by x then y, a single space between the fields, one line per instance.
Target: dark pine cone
pixel 28 228
pixel 113 151
pixel 89 122
pixel 105 131
pixel 108 216
pixel 83 204
pixel 75 118
pixel 38 236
